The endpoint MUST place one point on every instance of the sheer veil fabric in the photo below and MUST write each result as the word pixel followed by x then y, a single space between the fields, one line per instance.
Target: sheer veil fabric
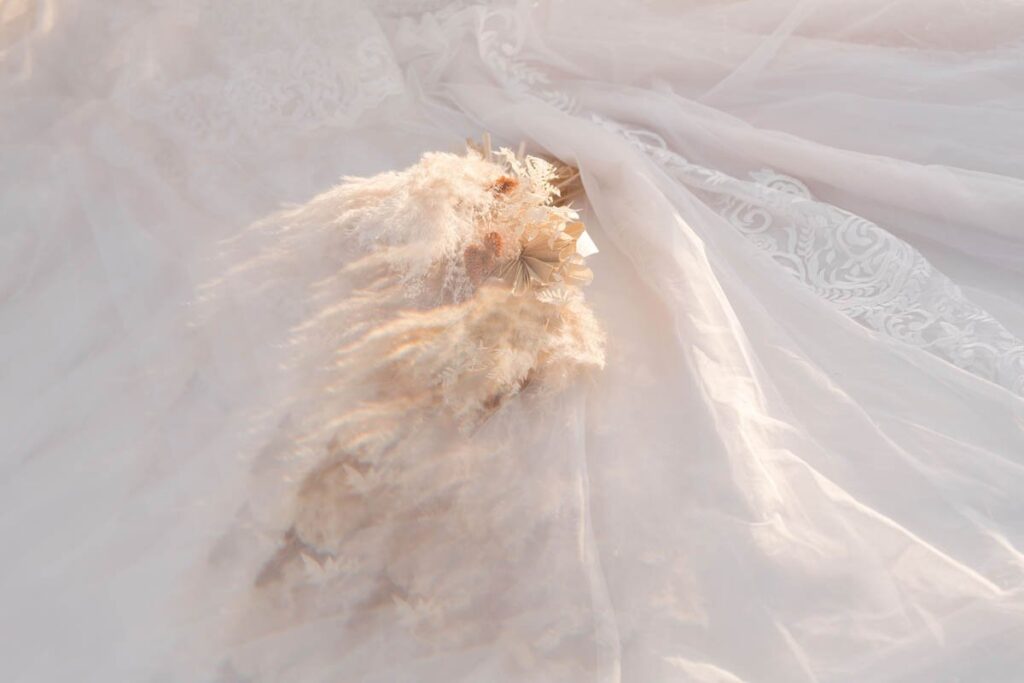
pixel 803 460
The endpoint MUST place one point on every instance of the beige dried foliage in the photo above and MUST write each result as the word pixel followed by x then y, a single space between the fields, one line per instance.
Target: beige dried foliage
pixel 408 341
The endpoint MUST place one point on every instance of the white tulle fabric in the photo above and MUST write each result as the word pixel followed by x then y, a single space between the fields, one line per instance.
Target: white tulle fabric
pixel 803 461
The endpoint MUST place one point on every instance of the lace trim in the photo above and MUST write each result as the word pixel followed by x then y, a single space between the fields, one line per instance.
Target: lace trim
pixel 500 49
pixel 870 275
pixel 292 65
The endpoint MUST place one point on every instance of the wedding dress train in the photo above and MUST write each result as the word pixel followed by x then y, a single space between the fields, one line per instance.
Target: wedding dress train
pixel 802 460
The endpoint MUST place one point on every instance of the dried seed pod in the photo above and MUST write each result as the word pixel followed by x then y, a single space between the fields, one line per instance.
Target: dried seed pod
pixel 479 262
pixel 504 185
pixel 494 243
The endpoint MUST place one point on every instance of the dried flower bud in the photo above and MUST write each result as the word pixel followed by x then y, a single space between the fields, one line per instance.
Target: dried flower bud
pixel 479 263
pixel 504 185
pixel 494 243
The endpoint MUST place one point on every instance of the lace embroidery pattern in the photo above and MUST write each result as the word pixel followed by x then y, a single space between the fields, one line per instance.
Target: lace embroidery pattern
pixel 500 50
pixel 873 277
pixel 283 65
pixel 870 275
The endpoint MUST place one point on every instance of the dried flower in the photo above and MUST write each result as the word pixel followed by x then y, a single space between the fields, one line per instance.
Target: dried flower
pixel 425 328
pixel 481 261
pixel 495 243
pixel 504 185
pixel 547 255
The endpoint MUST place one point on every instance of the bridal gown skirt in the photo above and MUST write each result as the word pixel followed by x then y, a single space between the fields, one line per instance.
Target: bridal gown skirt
pixel 802 461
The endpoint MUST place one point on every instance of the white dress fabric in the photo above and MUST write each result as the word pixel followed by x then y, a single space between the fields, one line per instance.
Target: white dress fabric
pixel 803 460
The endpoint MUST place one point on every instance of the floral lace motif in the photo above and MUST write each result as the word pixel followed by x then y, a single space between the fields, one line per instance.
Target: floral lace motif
pixel 870 275
pixel 866 272
pixel 288 65
pixel 500 45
